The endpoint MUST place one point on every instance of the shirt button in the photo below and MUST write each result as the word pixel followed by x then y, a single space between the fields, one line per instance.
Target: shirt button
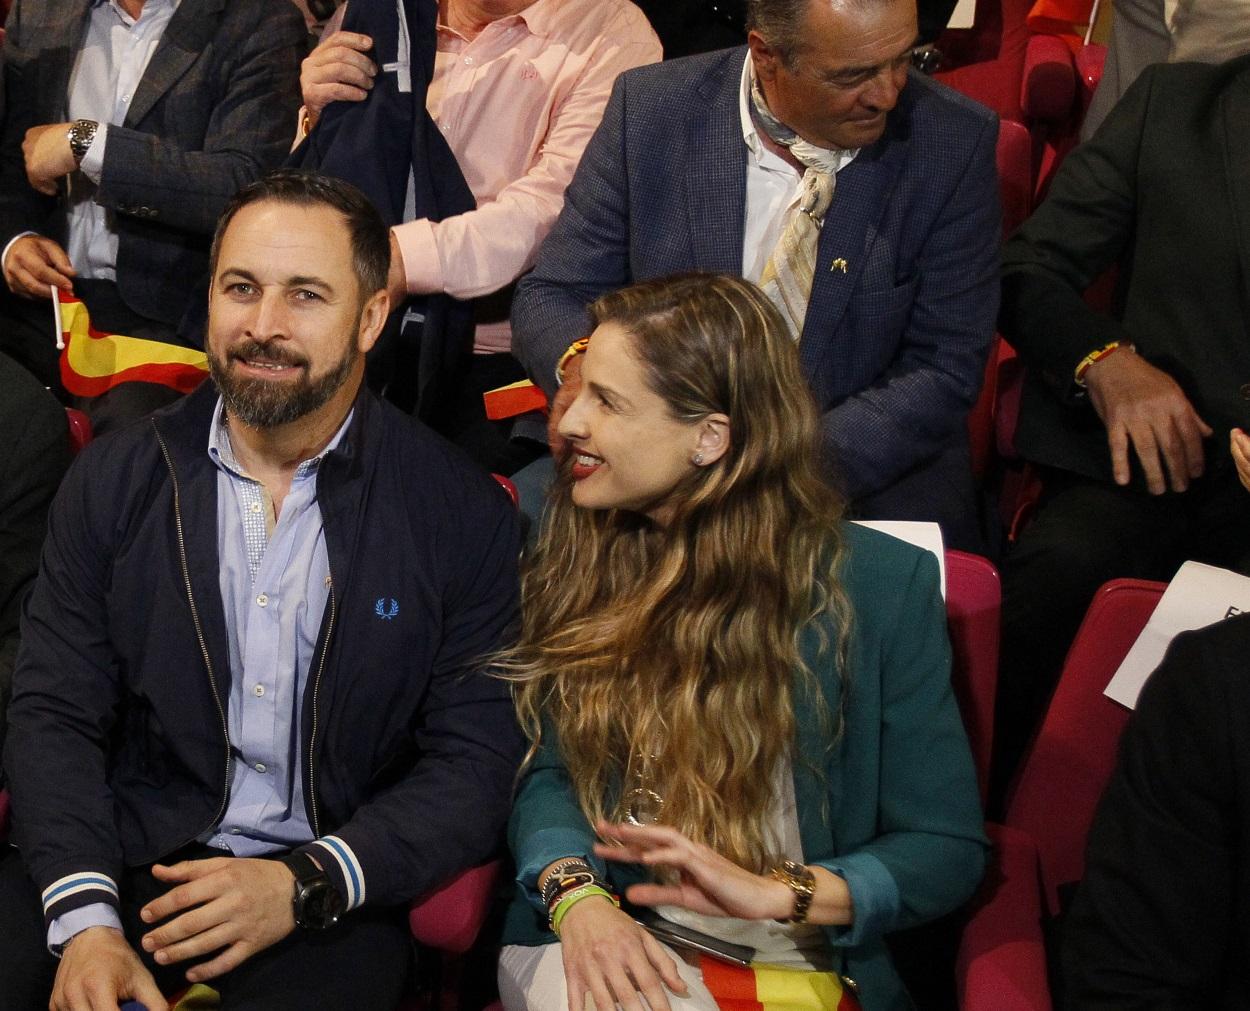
pixel 256 507
pixel 235 831
pixel 259 691
pixel 262 599
pixel 468 61
pixel 259 766
pixel 125 98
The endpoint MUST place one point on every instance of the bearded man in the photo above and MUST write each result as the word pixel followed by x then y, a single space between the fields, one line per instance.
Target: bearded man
pixel 249 721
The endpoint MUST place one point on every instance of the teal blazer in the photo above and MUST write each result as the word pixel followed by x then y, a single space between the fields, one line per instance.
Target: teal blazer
pixel 893 807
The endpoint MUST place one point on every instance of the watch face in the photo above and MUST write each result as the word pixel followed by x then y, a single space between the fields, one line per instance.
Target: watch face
pixel 318 906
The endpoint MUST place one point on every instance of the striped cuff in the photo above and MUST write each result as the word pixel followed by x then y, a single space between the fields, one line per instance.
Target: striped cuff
pixel 343 868
pixel 76 890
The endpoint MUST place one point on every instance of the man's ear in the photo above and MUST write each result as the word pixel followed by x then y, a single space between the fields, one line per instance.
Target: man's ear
pixel 714 438
pixel 764 57
pixel 372 319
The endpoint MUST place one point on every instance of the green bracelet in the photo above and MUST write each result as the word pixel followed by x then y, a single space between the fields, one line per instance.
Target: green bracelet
pixel 573 898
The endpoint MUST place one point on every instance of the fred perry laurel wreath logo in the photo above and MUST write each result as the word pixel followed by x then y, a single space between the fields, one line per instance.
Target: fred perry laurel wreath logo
pixel 386 609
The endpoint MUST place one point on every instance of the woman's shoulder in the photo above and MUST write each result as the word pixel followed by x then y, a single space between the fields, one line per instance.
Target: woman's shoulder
pixel 875 563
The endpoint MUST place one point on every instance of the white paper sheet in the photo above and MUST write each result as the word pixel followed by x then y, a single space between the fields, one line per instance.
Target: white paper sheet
pixel 1198 595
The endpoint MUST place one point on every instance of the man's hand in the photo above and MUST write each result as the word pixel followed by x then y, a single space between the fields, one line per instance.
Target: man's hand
pixel 396 278
pixel 560 403
pixel 48 156
pixel 1239 444
pixel 33 264
pixel 336 71
pixel 241 905
pixel 1142 405
pixel 98 971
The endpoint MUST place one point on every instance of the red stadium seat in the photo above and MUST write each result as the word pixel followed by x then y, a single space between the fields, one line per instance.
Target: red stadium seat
pixel 973 603
pixel 1052 806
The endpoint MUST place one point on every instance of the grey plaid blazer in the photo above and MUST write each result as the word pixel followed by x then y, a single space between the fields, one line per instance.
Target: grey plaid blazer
pixel 216 107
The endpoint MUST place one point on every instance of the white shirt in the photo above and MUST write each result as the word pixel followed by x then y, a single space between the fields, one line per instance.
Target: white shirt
pixel 773 187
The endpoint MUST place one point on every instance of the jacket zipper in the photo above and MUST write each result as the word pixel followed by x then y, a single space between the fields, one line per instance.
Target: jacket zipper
pixel 312 736
pixel 199 634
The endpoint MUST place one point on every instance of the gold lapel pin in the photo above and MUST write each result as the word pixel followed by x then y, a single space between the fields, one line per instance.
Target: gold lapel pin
pixel 838 264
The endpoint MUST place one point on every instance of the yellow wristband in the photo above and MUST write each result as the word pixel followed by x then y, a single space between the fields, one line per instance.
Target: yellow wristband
pixel 576 348
pixel 1096 356
pixel 573 898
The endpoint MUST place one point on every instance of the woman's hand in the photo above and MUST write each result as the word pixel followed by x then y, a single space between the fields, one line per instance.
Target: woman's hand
pixel 707 882
pixel 711 884
pixel 610 957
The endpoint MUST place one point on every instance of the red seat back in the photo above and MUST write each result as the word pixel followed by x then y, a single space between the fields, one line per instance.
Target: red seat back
pixel 1075 749
pixel 79 429
pixel 973 603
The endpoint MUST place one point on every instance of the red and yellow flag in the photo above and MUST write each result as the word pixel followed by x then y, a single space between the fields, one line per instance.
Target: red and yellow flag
pixel 771 988
pixel 94 362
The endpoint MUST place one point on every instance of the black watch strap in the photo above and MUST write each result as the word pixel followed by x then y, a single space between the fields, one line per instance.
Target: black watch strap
pixel 302 866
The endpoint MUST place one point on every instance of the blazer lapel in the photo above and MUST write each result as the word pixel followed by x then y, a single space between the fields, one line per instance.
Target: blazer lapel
pixel 716 174
pixel 189 32
pixel 859 199
pixel 1235 109
pixel 53 74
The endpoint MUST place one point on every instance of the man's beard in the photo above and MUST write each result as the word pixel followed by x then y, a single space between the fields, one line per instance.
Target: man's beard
pixel 264 404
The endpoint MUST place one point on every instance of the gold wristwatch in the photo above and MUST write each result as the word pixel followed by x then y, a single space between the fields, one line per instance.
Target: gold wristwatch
pixel 802 882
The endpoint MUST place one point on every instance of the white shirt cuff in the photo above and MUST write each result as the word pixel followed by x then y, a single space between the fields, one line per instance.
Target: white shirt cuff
pixel 93 161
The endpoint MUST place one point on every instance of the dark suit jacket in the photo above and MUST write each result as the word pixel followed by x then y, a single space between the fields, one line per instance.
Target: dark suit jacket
pixel 34 453
pixel 216 107
pixel 1162 191
pixel 893 348
pixel 1162 919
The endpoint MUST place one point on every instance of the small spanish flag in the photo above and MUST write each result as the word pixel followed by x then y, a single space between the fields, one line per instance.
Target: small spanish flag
pixel 93 362
pixel 772 988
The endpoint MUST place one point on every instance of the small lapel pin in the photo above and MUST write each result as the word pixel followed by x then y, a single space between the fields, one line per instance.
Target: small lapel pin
pixel 838 264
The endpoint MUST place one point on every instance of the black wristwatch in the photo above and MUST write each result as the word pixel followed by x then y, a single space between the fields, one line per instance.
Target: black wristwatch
pixel 318 904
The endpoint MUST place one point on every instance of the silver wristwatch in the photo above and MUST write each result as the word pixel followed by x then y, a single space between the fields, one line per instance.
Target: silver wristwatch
pixel 81 134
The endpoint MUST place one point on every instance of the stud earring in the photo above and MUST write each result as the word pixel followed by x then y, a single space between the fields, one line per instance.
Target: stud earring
pixel 697 459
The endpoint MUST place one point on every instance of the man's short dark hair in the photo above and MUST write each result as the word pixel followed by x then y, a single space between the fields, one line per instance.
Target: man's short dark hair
pixel 780 23
pixel 370 238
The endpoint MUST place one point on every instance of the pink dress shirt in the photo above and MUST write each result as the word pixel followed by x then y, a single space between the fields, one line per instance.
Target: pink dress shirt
pixel 517 105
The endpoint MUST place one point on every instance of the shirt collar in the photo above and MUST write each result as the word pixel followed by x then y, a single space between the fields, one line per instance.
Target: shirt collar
pixel 222 453
pixel 759 151
pixel 148 5
pixel 538 18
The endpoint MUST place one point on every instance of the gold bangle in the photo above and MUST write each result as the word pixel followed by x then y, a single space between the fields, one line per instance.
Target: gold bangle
pixel 578 347
pixel 802 882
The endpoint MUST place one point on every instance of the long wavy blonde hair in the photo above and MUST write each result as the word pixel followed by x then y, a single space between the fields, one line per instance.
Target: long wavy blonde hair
pixel 668 658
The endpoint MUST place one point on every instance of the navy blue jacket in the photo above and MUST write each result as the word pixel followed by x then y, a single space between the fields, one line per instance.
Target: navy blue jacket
pixel 118 751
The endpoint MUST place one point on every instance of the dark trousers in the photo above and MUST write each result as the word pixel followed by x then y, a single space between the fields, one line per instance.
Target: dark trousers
pixel 1087 532
pixel 363 962
pixel 26 334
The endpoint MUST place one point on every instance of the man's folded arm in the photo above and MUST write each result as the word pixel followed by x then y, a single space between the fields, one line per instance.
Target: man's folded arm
pixel 586 254
pixel 65 696
pixel 914 408
pixel 249 131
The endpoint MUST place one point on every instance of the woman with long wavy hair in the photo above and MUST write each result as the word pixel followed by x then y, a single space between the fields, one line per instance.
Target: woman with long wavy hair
pixel 739 706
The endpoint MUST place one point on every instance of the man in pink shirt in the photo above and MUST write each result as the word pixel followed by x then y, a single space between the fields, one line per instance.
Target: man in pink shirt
pixel 518 88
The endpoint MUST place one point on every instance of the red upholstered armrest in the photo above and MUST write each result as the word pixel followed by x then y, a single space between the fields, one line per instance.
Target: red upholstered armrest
pixel 1048 85
pixel 449 919
pixel 1001 964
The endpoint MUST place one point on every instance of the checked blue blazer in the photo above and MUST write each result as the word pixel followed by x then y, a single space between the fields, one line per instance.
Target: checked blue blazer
pixel 894 347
